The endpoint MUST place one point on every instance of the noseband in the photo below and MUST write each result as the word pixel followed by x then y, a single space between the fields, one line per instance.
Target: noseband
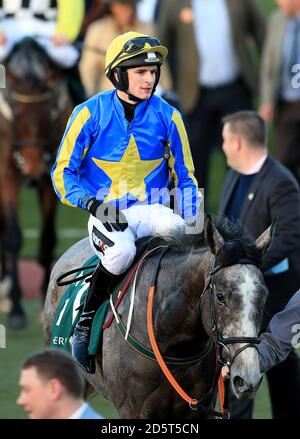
pixel 220 341
pixel 44 143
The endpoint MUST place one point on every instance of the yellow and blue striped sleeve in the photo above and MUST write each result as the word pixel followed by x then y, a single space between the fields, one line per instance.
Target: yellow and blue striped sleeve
pixel 65 171
pixel 182 169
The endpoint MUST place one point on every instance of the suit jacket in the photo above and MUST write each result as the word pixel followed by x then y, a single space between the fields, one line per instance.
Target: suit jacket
pixel 176 30
pixel 273 195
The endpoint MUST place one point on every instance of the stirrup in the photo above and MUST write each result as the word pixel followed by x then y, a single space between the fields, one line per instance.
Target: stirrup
pixel 81 340
pixel 80 345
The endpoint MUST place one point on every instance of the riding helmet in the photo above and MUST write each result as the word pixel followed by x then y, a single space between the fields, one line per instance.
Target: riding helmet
pixel 129 50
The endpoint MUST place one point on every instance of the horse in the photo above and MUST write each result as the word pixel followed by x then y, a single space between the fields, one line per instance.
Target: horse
pixel 34 109
pixel 209 293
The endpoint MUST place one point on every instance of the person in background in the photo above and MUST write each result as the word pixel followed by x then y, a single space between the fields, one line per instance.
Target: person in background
pixel 94 9
pixel 211 61
pixel 148 10
pixel 257 191
pixel 51 387
pixel 121 18
pixel 280 82
pixel 55 25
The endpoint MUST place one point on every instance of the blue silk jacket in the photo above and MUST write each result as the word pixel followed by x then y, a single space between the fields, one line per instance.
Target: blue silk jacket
pixel 102 155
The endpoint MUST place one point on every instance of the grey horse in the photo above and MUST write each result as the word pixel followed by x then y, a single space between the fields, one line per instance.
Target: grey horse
pixel 209 287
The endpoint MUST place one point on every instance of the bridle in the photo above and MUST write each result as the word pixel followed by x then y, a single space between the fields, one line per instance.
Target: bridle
pixel 30 99
pixel 224 356
pixel 44 143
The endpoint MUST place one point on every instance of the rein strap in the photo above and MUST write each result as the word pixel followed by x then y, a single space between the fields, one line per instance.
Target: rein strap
pixel 159 358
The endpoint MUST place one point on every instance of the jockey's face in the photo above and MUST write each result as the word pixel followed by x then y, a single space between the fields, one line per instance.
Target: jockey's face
pixel 141 81
pixel 36 395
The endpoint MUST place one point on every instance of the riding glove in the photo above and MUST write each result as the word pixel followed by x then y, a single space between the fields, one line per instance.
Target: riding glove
pixel 111 216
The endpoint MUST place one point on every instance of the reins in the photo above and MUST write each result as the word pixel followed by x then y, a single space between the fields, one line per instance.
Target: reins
pixel 159 358
pixel 193 402
pixel 61 283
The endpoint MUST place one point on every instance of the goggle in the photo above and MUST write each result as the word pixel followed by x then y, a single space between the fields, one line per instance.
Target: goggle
pixel 135 45
pixel 139 43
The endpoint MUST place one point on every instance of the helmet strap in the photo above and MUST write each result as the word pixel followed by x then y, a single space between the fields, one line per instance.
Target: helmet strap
pixel 121 82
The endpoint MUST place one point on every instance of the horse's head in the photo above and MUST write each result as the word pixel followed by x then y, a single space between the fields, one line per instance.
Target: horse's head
pixel 233 300
pixel 32 94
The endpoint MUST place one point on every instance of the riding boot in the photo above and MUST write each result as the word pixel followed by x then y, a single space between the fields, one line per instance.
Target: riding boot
pixel 81 337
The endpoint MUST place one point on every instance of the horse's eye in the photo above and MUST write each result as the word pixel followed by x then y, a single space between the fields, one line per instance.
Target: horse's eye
pixel 220 297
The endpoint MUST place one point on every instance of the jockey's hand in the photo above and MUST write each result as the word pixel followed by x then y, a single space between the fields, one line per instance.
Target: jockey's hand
pixel 225 373
pixel 3 38
pixel 111 216
pixel 60 40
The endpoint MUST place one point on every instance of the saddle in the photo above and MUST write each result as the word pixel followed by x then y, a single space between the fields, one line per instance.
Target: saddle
pixel 71 303
pixel 143 245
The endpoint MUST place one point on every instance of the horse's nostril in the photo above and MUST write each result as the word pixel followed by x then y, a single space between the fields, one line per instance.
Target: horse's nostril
pixel 243 388
pixel 238 382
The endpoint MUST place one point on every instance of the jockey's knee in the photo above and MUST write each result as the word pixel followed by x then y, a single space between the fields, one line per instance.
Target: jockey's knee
pixel 163 221
pixel 118 258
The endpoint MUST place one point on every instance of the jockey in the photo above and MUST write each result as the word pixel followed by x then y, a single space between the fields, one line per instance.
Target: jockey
pixel 112 162
pixel 55 24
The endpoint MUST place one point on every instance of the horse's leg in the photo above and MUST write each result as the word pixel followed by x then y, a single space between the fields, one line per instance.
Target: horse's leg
pixel 48 203
pixel 2 232
pixel 4 279
pixel 12 241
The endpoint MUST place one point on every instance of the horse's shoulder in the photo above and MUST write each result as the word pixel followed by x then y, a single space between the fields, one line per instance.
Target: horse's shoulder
pixel 74 257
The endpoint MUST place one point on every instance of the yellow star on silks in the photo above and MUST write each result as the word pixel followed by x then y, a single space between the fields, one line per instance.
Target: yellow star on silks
pixel 128 175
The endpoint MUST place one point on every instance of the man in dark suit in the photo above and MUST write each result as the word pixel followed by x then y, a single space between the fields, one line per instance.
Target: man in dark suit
pixel 257 191
pixel 211 60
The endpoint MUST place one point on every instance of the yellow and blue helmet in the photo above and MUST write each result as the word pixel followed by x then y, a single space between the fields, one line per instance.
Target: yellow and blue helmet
pixel 130 50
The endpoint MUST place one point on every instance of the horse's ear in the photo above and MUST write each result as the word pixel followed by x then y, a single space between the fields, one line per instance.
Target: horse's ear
pixel 264 240
pixel 212 237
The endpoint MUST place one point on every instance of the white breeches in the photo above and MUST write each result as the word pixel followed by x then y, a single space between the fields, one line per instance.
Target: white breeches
pixel 116 250
pixel 15 30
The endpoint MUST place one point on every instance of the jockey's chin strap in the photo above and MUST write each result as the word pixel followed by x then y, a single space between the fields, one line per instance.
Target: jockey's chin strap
pixel 193 403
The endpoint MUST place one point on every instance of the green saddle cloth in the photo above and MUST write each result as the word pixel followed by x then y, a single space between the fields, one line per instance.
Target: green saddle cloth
pixel 67 314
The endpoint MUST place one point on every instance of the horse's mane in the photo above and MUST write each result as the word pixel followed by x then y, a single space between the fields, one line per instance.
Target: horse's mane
pixel 237 242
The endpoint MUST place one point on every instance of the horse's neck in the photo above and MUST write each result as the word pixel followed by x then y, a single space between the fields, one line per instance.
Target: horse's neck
pixel 179 297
